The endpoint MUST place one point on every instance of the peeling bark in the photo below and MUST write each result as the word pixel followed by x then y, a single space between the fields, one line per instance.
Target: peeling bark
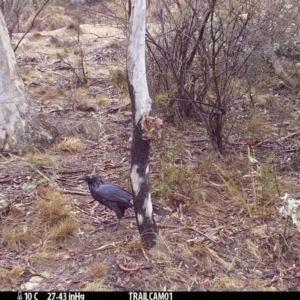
pixel 141 106
pixel 20 129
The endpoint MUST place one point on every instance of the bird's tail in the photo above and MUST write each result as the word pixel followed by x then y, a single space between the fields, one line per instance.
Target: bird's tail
pixel 159 212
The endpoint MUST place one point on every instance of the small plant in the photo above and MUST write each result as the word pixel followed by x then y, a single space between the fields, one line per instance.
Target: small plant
pixel 78 71
pixel 70 145
pixel 236 193
pixel 181 184
pixel 118 78
pixel 162 101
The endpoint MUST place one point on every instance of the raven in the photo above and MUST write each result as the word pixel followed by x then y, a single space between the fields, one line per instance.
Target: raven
pixel 111 195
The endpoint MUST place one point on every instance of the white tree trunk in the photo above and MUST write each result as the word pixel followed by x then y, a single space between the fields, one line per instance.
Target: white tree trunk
pixel 18 128
pixel 141 107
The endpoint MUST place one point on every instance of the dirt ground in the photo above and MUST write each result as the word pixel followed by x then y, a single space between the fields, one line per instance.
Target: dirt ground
pixel 206 241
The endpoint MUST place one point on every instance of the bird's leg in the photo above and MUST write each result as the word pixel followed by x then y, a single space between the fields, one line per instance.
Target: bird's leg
pixel 117 225
pixel 114 223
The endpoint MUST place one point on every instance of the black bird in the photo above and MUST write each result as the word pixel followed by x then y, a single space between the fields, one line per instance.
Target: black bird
pixel 111 195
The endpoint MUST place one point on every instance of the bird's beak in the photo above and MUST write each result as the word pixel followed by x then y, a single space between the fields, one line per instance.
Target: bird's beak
pixel 82 178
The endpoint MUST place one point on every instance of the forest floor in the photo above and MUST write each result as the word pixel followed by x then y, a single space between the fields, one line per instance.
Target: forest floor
pixel 224 228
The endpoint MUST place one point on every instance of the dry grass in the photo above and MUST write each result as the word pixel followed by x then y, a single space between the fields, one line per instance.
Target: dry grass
pixel 10 277
pixel 102 100
pixel 86 104
pixel 97 270
pixel 71 144
pixel 229 283
pixel 54 18
pixel 36 35
pixel 53 207
pixel 26 77
pixel 42 255
pixel 97 285
pixel 37 160
pixel 65 229
pixel 18 238
pixel 255 128
pixel 44 93
pixel 17 270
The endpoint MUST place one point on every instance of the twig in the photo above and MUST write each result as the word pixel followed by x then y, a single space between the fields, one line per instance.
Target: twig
pixel 85 212
pixel 289 136
pixel 48 179
pixel 168 226
pixel 74 192
pixel 203 234
pixel 197 140
pixel 82 81
pixel 63 110
pixel 31 25
pixel 145 254
pixel 114 244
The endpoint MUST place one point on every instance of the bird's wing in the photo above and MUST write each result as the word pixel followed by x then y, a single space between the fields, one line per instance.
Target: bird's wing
pixel 114 193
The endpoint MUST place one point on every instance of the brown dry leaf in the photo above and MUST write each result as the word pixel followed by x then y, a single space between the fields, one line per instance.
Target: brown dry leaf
pixel 252 143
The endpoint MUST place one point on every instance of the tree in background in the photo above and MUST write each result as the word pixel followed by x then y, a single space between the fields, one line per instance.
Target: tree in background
pixel 20 128
pixel 205 56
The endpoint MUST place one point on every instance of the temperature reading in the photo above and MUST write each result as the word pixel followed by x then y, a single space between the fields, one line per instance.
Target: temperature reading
pixel 30 296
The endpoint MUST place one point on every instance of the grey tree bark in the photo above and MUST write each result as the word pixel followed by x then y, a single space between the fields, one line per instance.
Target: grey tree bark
pixel 276 62
pixel 143 124
pixel 20 129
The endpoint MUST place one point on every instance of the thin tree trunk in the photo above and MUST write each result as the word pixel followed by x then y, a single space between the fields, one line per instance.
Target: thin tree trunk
pixel 141 107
